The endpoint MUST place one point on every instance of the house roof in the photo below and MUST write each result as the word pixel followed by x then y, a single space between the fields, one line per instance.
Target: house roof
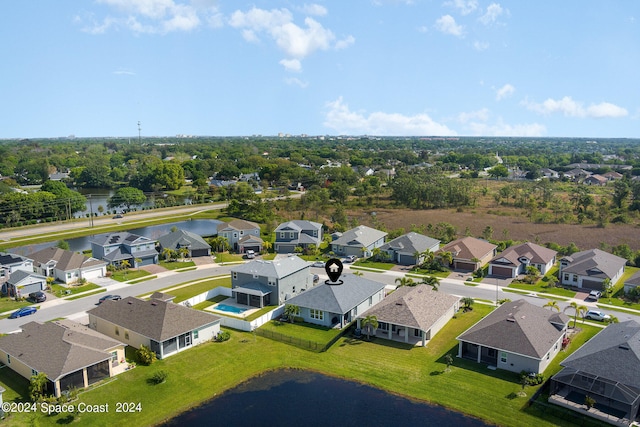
pixel 518 327
pixel 361 236
pixel 155 319
pixel 250 238
pixel 65 260
pixel 614 354
pixel 595 263
pixel 338 298
pixel 299 225
pixel 238 224
pixel 634 280
pixel 468 248
pixel 120 238
pixel 278 268
pixel 58 348
pixel 183 238
pixel 410 243
pixel 417 307
pixel 19 275
pixel 535 254
pixel 11 259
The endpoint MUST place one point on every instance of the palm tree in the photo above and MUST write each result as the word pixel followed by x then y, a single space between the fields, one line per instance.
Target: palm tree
pixel 553 305
pixel 432 281
pixel 427 256
pixel 446 257
pixel 369 324
pixel 577 311
pixel 291 311
pixel 405 281
pixel 468 302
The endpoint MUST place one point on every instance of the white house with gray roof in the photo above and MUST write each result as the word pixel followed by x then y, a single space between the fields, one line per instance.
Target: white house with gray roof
pixel 517 336
pixel 408 248
pixel 338 305
pixel 12 262
pixel 413 314
pixel 182 239
pixel 359 241
pixel 589 269
pixel 242 235
pixel 67 266
pixel 260 283
pixel 68 353
pixel 22 283
pixel 297 233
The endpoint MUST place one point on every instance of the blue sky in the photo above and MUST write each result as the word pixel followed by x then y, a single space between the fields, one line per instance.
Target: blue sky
pixel 378 67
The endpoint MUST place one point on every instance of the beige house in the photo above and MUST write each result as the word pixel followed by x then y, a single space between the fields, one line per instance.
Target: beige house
pixel 68 353
pixel 469 253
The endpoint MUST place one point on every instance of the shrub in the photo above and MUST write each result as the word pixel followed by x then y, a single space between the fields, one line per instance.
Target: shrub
pixel 223 336
pixel 159 377
pixel 145 355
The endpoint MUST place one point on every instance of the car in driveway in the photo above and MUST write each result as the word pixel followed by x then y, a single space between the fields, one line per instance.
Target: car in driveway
pixel 350 258
pixel 594 295
pixel 24 311
pixel 250 254
pixel 596 315
pixel 38 296
pixel 109 297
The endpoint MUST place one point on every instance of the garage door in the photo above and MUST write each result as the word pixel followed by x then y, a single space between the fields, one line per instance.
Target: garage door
pixel 466 266
pixel 406 260
pixel 27 289
pixel 501 271
pixel 282 249
pixel 591 284
pixel 255 249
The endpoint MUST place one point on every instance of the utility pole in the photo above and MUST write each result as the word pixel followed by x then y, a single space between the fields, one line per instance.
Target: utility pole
pixel 139 132
pixel 90 212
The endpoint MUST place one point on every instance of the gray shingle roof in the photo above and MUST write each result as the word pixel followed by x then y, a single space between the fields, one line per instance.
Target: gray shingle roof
pixel 119 239
pixel 183 238
pixel 416 307
pixel 594 262
pixel 20 275
pixel 238 224
pixel 361 236
pixel 65 260
pixel 278 268
pixel 634 280
pixel 410 243
pixel 517 327
pixel 298 225
pixel 57 348
pixel 155 319
pixel 338 298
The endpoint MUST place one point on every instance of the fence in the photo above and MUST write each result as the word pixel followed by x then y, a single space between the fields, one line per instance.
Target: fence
pixel 300 342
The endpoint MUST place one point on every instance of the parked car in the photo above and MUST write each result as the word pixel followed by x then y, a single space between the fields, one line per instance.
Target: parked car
pixel 24 311
pixel 109 297
pixel 38 296
pixel 350 258
pixel 594 295
pixel 596 315
pixel 319 264
pixel 250 254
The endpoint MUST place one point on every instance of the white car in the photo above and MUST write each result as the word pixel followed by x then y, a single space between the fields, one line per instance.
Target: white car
pixel 594 295
pixel 319 264
pixel 596 315
pixel 250 254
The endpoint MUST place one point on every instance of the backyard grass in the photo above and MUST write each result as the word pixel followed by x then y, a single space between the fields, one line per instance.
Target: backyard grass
pixel 61 290
pixel 210 302
pixel 186 292
pixel 302 331
pixel 415 372
pixel 176 265
pixel 126 275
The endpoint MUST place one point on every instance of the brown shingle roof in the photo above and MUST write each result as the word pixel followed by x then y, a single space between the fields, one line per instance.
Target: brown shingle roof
pixel 468 248
pixel 65 260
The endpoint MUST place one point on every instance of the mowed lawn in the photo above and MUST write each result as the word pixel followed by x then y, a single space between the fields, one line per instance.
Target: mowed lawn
pixel 207 370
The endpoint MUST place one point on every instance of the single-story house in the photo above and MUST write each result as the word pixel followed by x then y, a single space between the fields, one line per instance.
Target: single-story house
pixel 412 314
pixel 359 241
pixel 589 269
pixel 607 369
pixel 22 283
pixel 408 248
pixel 163 326
pixel 242 235
pixel 514 260
pixel 67 266
pixel 596 179
pixel 632 282
pixel 337 305
pixel 517 336
pixel 115 248
pixel 469 253
pixel 260 283
pixel 68 353
pixel 12 262
pixel 297 233
pixel 179 239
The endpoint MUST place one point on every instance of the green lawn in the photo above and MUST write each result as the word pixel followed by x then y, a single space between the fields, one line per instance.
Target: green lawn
pixel 415 372
pixel 210 302
pixel 176 265
pixel 302 331
pixel 130 274
pixel 374 264
pixel 541 287
pixel 9 304
pixel 222 257
pixel 61 290
pixel 186 292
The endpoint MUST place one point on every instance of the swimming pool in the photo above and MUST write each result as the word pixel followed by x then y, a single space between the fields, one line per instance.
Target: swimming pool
pixel 230 308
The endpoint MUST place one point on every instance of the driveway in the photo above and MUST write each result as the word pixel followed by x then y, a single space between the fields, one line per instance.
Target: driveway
pixel 153 268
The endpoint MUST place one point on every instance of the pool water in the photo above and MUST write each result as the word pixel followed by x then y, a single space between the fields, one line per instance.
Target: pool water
pixel 230 308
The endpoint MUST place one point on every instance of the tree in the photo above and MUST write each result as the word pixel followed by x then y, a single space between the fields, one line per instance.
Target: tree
pixel 291 311
pixel 498 171
pixel 145 355
pixel 487 233
pixel 63 244
pixel 446 258
pixel 432 281
pixel 467 302
pixel 37 386
pixel 448 359
pixel 577 311
pixel 369 325
pixel 126 196
pixel 405 281
pixel 553 305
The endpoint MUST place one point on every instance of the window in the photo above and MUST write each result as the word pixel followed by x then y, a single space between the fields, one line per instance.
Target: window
pixel 315 233
pixel 117 331
pixel 293 289
pixel 383 326
pixel 114 356
pixel 566 276
pixel 271 282
pixel 370 300
pixel 417 333
pixel 126 335
pixel 316 314
pixel 292 235
pixel 503 357
pixel 195 334
pixel 34 372
pixel 235 275
pixel 282 234
pixel 575 278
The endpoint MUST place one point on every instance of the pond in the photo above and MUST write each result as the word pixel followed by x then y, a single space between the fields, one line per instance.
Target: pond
pixel 202 227
pixel 302 398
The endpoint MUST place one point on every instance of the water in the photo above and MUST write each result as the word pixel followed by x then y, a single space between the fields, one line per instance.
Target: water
pixel 99 197
pixel 229 308
pixel 203 227
pixel 301 398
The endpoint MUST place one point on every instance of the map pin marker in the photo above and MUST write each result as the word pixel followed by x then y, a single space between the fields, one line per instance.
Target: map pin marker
pixel 333 267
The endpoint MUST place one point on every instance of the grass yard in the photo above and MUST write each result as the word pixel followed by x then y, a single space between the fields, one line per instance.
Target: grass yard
pixel 10 304
pixel 61 290
pixel 540 287
pixel 302 331
pixel 130 274
pixel 176 265
pixel 374 264
pixel 222 257
pixel 186 292
pixel 210 302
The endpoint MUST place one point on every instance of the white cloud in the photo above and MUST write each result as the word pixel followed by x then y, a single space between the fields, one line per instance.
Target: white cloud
pixel 296 81
pixel 314 9
pixel 447 24
pixel 345 43
pixel 480 46
pixel 505 91
pixel 571 108
pixel 482 115
pixel 503 129
pixel 344 121
pixel 291 65
pixel 494 10
pixel 465 7
pixel 124 73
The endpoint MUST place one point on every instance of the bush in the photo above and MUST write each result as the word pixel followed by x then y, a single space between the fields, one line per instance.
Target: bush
pixel 159 377
pixel 145 355
pixel 223 336
pixel 532 379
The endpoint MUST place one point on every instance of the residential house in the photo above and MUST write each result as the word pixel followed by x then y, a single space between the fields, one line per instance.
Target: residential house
pixel 22 283
pixel 607 369
pixel 413 314
pixel 297 233
pixel 260 283
pixel 515 259
pixel 12 262
pixel 612 175
pixel 469 253
pixel 242 235
pixel 67 266
pixel 577 174
pixel 589 269
pixel 549 173
pixel 68 353
pixel 408 249
pixel 517 336
pixel 359 241
pixel 337 305
pixel 115 248
pixel 632 282
pixel 163 326
pixel 596 179
pixel 181 239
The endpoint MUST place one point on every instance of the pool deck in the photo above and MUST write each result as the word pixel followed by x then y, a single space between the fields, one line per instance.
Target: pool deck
pixel 231 303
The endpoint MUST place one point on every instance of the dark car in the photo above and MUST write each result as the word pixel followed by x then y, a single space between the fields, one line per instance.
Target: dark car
pixel 117 216
pixel 24 311
pixel 38 296
pixel 109 297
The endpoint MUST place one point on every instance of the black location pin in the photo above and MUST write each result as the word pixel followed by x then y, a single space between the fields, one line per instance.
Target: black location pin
pixel 333 267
